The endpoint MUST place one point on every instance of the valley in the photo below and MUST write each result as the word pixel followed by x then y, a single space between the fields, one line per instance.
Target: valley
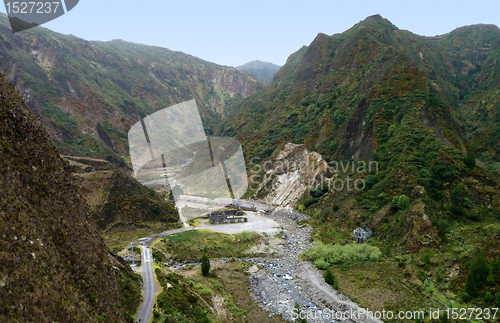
pixel 278 278
pixel 375 129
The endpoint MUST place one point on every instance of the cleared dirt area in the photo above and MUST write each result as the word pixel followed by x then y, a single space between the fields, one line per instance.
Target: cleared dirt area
pixel 256 223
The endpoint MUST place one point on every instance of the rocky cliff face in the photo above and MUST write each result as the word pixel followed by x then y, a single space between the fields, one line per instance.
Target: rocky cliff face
pixel 291 173
pixel 54 266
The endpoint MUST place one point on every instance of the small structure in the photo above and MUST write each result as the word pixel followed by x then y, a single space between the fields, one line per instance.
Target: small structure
pixel 360 234
pixel 132 253
pixel 228 216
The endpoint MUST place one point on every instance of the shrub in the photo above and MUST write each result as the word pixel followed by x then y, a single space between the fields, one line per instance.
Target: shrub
pixel 205 265
pixel 400 202
pixel 342 255
pixel 330 279
pixel 470 160
pixel 477 274
pixel 310 201
pixel 321 264
pixel 335 208
pixel 297 312
pixel 488 297
pixel 464 296
pixel 427 259
pixel 474 217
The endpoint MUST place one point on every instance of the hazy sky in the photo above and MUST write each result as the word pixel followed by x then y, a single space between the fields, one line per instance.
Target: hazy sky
pixel 235 32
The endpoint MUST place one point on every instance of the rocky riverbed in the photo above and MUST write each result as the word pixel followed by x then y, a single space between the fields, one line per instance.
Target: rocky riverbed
pixel 285 280
pixel 279 281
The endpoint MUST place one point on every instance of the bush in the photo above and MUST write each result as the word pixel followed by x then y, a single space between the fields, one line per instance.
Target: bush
pixel 310 201
pixel 205 265
pixel 442 226
pixel 342 255
pixel 427 259
pixel 335 208
pixel 497 299
pixel 477 274
pixel 400 202
pixel 297 313
pixel 206 319
pixel 470 160
pixel 321 264
pixel 330 279
pixel 488 297
pixel 464 296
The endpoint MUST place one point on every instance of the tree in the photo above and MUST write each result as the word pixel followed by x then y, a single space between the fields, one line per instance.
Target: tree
pixel 330 279
pixel 444 318
pixel 205 265
pixel 206 319
pixel 478 272
pixel 491 277
pixel 470 160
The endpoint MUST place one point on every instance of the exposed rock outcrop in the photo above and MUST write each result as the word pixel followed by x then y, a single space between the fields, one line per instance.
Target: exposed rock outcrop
pixel 288 175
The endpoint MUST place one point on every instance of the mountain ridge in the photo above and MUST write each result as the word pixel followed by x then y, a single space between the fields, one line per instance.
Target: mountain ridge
pixel 88 94
pixel 264 71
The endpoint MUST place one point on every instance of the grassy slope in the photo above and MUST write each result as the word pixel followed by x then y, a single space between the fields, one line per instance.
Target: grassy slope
pixel 54 265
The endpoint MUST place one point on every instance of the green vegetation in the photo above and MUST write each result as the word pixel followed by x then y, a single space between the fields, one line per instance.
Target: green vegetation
pixel 102 92
pixel 330 279
pixel 189 245
pixel 400 202
pixel 54 266
pixel 179 303
pixel 324 256
pixel 298 312
pixel 127 202
pixel 205 265
pixel 129 288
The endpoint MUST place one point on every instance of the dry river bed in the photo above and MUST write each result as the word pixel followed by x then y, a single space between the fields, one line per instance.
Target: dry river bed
pixel 280 280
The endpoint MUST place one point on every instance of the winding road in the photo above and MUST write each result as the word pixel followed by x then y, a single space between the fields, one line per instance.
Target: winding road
pixel 146 308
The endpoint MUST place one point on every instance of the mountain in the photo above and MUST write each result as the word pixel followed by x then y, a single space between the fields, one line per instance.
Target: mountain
pixel 88 94
pixel 326 90
pixel 54 266
pixel 409 126
pixel 416 106
pixel 263 71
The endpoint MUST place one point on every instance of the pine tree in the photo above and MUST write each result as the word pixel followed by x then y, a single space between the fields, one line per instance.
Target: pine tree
pixel 205 265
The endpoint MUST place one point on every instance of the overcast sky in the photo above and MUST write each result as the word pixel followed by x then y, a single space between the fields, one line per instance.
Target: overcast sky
pixel 236 32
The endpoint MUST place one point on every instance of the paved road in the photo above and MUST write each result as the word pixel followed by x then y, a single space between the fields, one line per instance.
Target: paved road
pixel 146 308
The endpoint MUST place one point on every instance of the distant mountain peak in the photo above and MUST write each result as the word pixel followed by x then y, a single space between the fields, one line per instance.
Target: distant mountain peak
pixel 263 71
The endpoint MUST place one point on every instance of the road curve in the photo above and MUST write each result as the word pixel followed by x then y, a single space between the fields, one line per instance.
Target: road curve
pixel 146 308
